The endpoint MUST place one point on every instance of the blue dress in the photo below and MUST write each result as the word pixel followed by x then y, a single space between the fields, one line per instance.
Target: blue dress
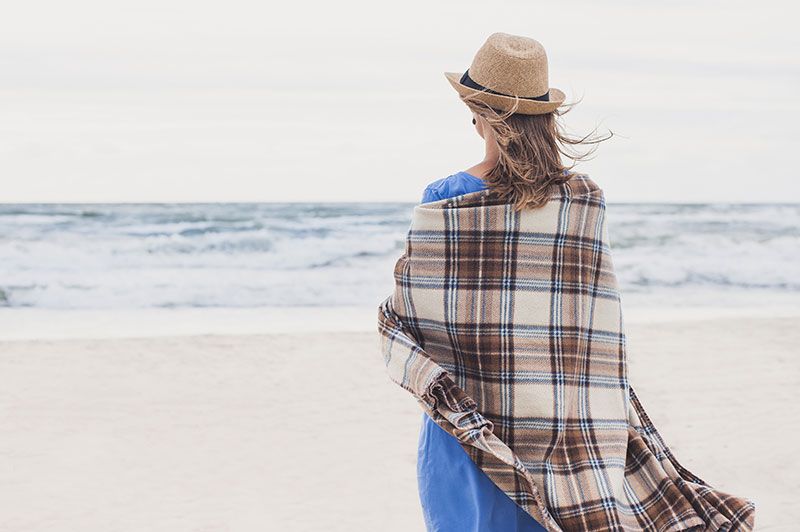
pixel 456 495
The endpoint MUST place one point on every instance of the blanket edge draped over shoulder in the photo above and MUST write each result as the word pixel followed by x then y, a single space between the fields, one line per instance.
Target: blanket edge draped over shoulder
pixel 506 326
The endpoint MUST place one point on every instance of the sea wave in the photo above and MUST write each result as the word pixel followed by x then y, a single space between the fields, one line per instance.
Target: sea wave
pixel 313 254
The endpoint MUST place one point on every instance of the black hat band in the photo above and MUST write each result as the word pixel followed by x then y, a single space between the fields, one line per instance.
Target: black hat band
pixel 472 84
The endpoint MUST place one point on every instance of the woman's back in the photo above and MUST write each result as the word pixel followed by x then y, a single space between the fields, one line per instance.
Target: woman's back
pixel 455 494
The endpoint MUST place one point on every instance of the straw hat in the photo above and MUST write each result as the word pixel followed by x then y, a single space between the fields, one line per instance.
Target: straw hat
pixel 507 68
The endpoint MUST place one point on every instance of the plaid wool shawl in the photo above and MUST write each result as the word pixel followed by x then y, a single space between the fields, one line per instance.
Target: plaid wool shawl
pixel 507 328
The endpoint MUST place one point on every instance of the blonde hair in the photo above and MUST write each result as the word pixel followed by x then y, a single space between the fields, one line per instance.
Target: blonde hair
pixel 530 147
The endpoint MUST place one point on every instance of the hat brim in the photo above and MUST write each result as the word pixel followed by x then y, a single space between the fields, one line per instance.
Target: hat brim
pixel 506 103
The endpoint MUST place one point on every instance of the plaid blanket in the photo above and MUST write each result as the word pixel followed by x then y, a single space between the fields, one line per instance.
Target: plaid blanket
pixel 507 329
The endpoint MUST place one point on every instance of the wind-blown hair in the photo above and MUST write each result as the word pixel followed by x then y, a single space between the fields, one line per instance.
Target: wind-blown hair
pixel 531 147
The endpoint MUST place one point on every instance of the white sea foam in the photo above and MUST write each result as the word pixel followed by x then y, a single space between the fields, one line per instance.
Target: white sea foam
pixel 326 255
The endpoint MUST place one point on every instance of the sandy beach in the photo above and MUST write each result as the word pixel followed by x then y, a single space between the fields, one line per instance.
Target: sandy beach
pixel 304 431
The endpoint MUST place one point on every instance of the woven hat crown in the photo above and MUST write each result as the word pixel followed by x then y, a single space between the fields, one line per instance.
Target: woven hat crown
pixel 511 64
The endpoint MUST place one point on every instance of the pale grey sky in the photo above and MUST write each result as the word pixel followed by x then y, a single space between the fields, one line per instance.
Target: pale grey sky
pixel 347 101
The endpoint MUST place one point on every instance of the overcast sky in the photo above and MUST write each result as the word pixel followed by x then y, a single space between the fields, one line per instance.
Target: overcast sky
pixel 347 101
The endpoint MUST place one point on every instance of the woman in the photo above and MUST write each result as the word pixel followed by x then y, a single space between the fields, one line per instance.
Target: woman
pixel 521 162
pixel 506 325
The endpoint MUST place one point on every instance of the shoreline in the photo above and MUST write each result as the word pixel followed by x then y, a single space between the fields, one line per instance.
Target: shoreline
pixel 27 323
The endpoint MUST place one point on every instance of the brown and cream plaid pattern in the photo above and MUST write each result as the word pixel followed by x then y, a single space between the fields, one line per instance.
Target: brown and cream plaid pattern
pixel 507 329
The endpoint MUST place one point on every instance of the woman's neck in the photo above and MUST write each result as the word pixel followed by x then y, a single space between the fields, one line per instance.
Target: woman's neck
pixel 492 154
pixel 484 167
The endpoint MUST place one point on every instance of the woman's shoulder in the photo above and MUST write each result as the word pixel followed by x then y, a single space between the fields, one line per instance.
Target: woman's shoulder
pixel 452 185
pixel 580 184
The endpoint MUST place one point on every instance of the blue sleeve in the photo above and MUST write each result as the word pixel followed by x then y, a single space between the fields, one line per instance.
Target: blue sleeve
pixel 429 195
pixel 435 191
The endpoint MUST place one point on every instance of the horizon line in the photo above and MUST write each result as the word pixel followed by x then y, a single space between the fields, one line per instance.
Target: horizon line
pixel 344 202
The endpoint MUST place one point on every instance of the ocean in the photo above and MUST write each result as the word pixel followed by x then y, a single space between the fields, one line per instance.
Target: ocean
pixel 278 255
